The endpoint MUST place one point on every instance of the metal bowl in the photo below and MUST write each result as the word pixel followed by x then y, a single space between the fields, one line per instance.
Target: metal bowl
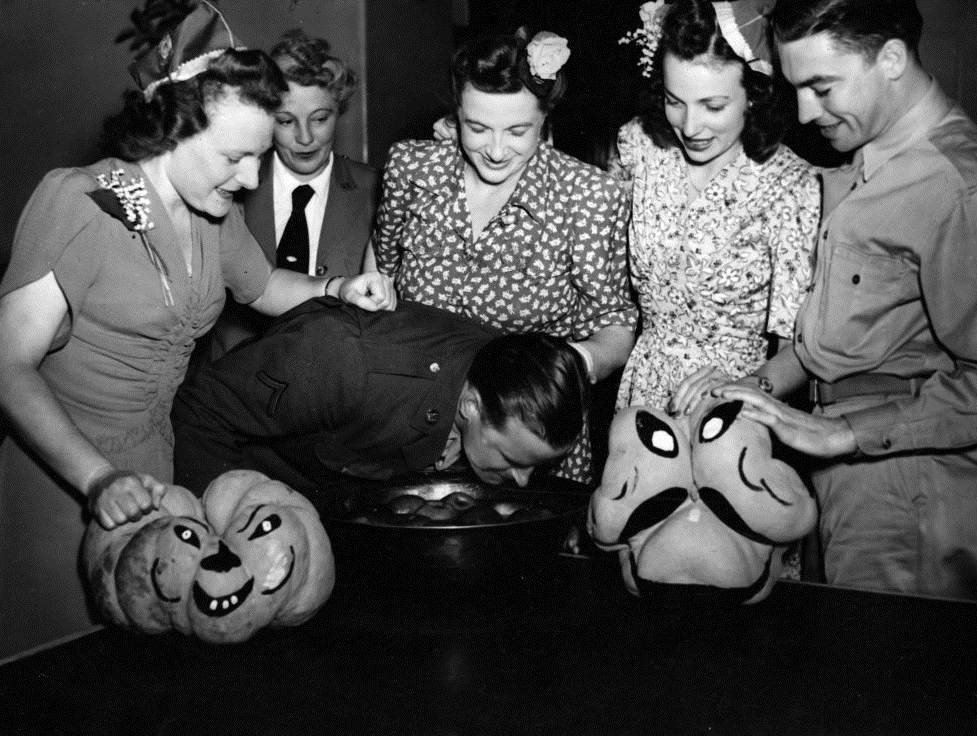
pixel 377 555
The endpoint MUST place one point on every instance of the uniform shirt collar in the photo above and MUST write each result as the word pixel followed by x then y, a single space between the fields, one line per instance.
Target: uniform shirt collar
pixel 285 180
pixel 452 450
pixel 916 123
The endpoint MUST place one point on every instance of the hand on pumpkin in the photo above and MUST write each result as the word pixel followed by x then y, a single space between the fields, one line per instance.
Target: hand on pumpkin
pixel 370 291
pixel 121 496
pixel 694 388
pixel 445 129
pixel 813 435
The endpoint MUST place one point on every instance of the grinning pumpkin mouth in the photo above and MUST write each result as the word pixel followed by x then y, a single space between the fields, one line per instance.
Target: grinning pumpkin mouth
pixel 159 591
pixel 288 574
pixel 217 607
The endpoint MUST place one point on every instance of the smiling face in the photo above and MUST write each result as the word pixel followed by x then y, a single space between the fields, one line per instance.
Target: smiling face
pixel 499 132
pixel 305 125
pixel 500 455
pixel 838 90
pixel 705 103
pixel 209 167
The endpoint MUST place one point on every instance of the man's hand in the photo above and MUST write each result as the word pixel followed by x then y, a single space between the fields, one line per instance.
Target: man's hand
pixel 812 435
pixel 370 291
pixel 121 496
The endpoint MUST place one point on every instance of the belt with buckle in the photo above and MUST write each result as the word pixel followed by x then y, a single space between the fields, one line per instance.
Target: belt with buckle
pixel 823 393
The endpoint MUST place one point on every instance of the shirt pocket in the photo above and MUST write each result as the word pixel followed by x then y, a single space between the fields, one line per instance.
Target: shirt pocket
pixel 539 255
pixel 428 230
pixel 863 290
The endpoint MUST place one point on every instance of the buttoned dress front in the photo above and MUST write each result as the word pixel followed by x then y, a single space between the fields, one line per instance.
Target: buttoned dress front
pixel 115 370
pixel 552 260
pixel 715 274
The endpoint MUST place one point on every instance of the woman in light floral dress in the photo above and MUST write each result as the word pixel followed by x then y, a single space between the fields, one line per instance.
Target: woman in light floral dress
pixel 496 224
pixel 724 217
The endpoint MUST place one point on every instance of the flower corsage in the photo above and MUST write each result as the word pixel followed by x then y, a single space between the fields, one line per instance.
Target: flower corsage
pixel 129 204
pixel 547 53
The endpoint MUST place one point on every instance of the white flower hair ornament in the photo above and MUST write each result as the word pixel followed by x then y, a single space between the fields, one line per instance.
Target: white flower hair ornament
pixel 652 14
pixel 547 53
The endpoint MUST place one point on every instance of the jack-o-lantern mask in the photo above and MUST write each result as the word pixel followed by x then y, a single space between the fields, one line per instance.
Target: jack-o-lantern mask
pixel 697 507
pixel 254 553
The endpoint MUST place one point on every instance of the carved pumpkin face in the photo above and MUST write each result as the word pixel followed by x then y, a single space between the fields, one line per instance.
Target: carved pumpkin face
pixel 253 554
pixel 648 474
pixel 697 507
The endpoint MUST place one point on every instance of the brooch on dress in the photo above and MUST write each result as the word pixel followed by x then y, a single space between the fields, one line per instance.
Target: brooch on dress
pixel 129 204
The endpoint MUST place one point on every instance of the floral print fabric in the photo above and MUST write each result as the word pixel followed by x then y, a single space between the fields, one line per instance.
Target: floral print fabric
pixel 717 273
pixel 552 260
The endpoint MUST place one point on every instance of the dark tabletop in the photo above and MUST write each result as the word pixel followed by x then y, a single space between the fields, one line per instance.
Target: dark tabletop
pixel 577 656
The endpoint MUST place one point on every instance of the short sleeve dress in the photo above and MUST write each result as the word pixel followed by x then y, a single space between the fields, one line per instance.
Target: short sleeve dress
pixel 553 260
pixel 716 274
pixel 114 368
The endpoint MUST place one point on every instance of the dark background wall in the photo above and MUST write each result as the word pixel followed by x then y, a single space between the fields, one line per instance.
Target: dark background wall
pixel 61 72
pixel 605 83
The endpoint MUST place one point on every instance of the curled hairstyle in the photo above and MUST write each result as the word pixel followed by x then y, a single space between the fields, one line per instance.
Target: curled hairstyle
pixel 859 26
pixel 537 379
pixel 177 110
pixel 689 30
pixel 306 61
pixel 499 64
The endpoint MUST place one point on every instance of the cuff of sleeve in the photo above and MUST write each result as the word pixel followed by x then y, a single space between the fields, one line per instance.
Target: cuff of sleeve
pixel 588 359
pixel 875 429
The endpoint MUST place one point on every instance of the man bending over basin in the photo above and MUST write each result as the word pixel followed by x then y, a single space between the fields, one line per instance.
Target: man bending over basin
pixel 330 390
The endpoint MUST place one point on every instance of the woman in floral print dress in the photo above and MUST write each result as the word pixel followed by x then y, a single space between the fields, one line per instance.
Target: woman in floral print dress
pixel 724 217
pixel 498 225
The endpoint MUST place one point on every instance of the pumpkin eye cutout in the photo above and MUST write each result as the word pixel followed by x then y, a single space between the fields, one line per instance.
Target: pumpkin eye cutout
pixel 717 421
pixel 186 535
pixel 656 435
pixel 267 526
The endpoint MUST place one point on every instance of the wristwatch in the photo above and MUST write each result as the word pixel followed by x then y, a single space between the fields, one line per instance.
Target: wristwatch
pixel 765 384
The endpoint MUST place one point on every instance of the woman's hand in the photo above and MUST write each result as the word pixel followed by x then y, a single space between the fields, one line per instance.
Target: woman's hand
pixel 120 496
pixel 286 289
pixel 445 129
pixel 370 291
pixel 694 388
pixel 813 435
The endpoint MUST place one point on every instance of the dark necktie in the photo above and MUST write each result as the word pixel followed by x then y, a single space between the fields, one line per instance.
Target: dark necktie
pixel 293 248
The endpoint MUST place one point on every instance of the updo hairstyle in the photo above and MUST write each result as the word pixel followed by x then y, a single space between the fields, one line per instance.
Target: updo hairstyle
pixel 499 65
pixel 177 110
pixel 689 30
pixel 306 61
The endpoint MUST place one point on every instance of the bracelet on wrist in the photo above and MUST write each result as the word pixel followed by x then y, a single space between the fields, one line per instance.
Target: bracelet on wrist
pixel 764 383
pixel 329 281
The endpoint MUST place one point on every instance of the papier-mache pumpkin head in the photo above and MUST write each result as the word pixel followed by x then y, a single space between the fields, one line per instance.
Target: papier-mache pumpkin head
pixel 253 553
pixel 696 507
